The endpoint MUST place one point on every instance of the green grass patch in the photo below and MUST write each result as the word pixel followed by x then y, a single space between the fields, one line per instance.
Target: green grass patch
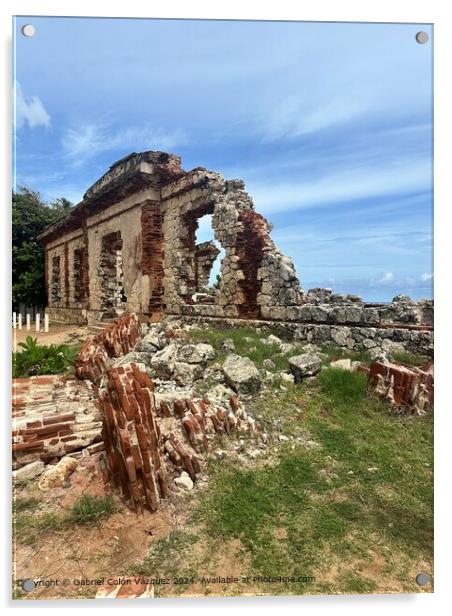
pixel 368 484
pixel 343 387
pixel 335 352
pixel 87 510
pixel 411 359
pixel 247 343
pixel 90 509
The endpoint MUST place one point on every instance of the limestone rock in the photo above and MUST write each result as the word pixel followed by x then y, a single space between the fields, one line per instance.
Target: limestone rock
pixel 219 394
pixel 344 364
pixel 286 347
pixel 287 378
pixel 268 364
pixel 163 362
pixel 273 340
pixel 134 357
pixel 304 365
pixel 55 476
pixel 205 350
pixel 228 345
pixel 186 374
pixel 152 342
pixel 184 481
pixel 30 471
pixel 241 374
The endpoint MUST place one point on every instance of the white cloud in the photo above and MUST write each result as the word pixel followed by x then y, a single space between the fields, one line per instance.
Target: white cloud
pixel 357 182
pixel 387 278
pixel 293 118
pixel 426 277
pixel 90 140
pixel 29 110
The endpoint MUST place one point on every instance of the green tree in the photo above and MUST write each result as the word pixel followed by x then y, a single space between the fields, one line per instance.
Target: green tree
pixel 30 215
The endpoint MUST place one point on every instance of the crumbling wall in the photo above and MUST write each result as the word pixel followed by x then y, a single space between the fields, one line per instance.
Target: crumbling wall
pixel 147 443
pixel 52 416
pixel 250 257
pixel 123 218
pixel 118 338
pixel 155 206
pixel 132 438
pixel 205 255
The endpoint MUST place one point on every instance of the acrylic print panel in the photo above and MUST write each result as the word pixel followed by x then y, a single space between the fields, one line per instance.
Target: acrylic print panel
pixel 222 308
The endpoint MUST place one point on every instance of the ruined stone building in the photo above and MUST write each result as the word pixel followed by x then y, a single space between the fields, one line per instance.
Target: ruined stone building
pixel 131 245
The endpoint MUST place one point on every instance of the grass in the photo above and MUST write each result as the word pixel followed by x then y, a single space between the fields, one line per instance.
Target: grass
pixel 334 352
pixel 170 557
pixel 247 343
pixel 335 511
pixel 404 357
pixel 87 510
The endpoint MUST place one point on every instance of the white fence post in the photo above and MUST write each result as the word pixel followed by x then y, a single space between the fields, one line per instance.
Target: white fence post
pixel 28 322
pixel 46 322
pixel 14 320
pixel 20 320
pixel 38 321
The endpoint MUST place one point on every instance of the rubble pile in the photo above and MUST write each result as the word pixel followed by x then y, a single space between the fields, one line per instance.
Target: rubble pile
pixel 406 388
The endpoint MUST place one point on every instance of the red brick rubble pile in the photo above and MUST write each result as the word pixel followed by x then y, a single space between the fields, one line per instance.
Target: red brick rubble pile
pixel 117 339
pixel 405 387
pixel 147 445
pixel 52 416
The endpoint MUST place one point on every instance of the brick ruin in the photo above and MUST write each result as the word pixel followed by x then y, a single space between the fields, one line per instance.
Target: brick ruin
pixel 130 245
pixel 111 411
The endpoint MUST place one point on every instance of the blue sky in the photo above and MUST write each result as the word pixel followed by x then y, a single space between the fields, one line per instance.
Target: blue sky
pixel 329 124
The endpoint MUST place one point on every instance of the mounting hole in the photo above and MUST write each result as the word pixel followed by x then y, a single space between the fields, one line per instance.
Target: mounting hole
pixel 28 30
pixel 28 585
pixel 422 37
pixel 422 579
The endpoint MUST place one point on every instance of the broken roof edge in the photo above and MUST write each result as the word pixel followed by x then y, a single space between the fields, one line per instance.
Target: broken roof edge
pixel 151 168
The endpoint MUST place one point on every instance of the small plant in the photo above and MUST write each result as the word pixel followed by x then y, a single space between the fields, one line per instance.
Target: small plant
pixel 89 509
pixel 36 359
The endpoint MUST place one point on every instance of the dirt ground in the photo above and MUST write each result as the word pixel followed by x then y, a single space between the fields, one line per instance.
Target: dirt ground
pixel 59 333
pixel 103 549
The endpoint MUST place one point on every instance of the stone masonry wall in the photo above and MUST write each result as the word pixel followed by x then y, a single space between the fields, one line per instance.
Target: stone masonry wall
pixel 155 206
pixel 205 255
pixel 251 258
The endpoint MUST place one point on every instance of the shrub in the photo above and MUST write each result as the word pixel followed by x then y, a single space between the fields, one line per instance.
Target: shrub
pixel 37 359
